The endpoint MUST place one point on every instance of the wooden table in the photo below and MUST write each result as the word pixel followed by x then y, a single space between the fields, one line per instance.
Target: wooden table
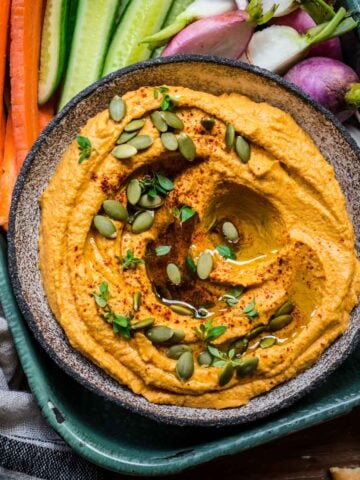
pixel 305 455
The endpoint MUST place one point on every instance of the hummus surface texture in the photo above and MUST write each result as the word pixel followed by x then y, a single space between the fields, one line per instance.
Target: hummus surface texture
pixel 287 252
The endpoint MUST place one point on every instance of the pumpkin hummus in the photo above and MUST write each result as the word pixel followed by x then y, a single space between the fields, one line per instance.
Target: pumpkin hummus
pixel 223 266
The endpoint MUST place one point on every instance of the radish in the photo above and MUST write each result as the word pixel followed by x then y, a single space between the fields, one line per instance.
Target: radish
pixel 197 10
pixel 241 4
pixel 301 21
pixel 330 82
pixel 224 35
pixel 283 6
pixel 278 47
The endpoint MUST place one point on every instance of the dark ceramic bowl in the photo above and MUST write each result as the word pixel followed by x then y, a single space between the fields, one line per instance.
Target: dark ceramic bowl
pixel 201 73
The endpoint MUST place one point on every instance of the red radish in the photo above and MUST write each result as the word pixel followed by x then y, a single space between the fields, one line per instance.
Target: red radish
pixel 196 10
pixel 278 47
pixel 241 4
pixel 283 6
pixel 224 35
pixel 302 22
pixel 330 82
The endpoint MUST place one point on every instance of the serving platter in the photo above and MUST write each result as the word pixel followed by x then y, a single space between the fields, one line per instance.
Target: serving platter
pixel 116 439
pixel 195 72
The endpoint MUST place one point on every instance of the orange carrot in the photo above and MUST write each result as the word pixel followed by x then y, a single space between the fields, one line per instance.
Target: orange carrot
pixel 4 22
pixel 26 20
pixel 7 174
pixel 46 113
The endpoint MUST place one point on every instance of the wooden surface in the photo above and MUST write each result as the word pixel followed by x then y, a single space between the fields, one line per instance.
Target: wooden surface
pixel 305 455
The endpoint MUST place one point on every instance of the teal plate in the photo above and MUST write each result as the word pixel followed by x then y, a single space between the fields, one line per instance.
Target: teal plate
pixel 116 439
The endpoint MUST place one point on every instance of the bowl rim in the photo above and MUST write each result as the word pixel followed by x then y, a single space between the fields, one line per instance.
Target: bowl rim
pixel 151 409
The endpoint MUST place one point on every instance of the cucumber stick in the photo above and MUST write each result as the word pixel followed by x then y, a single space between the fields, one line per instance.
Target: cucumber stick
pixel 177 7
pixel 90 41
pixel 140 19
pixel 53 47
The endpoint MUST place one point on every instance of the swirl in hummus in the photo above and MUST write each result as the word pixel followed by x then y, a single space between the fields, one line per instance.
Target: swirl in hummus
pixel 226 264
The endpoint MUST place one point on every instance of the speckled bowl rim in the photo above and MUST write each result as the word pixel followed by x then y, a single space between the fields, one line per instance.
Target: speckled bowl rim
pixel 164 413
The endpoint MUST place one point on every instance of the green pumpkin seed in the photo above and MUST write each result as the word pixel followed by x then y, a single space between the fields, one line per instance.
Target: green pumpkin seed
pixel 169 141
pixel 242 148
pixel 230 232
pixel 205 359
pixel 182 310
pixel 255 332
pixel 146 201
pixel 240 345
pixel 124 151
pixel 267 342
pixel 137 301
pixel 115 210
pixel 204 265
pixel 158 121
pixel 185 366
pixel 187 147
pixel 142 222
pixel 280 322
pixel 160 334
pixel 229 136
pixel 125 137
pixel 178 336
pixel 202 312
pixel 104 226
pixel 135 125
pixel 173 273
pixel 117 108
pixel 247 365
pixel 176 351
pixel 141 142
pixel 172 120
pixel 133 191
pixel 285 309
pixel 208 123
pixel 142 324
pixel 226 374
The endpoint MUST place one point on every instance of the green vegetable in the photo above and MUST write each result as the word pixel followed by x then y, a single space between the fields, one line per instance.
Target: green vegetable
pixel 250 310
pixel 130 260
pixel 93 27
pixel 141 18
pixel 54 46
pixel 208 333
pixel 226 252
pixel 121 323
pixel 84 147
pixel 185 213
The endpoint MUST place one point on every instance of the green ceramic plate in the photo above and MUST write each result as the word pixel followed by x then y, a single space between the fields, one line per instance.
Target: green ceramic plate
pixel 113 438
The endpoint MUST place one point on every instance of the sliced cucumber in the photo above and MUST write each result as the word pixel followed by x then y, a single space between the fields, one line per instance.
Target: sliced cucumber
pixel 91 37
pixel 140 19
pixel 53 47
pixel 177 7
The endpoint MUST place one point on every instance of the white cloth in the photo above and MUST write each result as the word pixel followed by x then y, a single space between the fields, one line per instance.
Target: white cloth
pixel 29 448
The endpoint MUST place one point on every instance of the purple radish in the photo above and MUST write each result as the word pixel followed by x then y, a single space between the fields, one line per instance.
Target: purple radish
pixel 330 82
pixel 224 35
pixel 302 22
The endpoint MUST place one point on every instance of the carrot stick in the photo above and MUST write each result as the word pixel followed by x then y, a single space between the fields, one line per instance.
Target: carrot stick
pixel 7 174
pixel 4 22
pixel 46 113
pixel 26 20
